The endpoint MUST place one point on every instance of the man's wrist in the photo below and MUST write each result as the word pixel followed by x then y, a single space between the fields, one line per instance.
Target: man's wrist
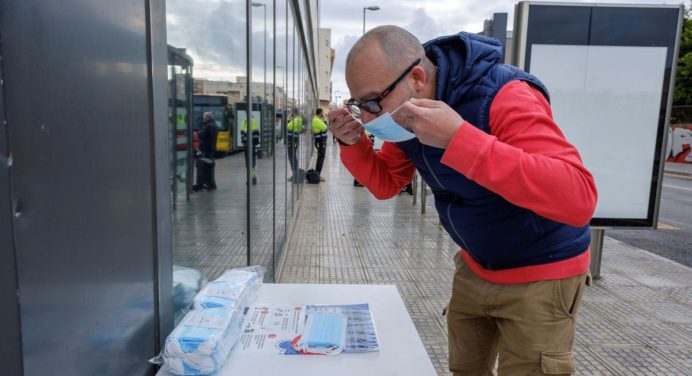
pixel 345 144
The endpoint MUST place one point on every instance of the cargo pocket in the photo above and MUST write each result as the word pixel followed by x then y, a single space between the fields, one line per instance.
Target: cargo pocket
pixel 557 363
pixel 569 293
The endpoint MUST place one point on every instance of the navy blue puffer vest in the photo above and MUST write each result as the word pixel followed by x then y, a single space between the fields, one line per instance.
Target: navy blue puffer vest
pixel 496 233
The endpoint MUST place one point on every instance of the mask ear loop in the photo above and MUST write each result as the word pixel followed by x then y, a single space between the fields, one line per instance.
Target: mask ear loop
pixel 356 118
pixel 397 109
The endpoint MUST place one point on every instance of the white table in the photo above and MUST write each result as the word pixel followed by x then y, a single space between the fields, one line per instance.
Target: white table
pixel 401 350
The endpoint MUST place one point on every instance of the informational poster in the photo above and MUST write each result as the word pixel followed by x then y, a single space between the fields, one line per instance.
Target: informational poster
pixel 609 72
pixel 276 328
pixel 271 328
pixel 609 110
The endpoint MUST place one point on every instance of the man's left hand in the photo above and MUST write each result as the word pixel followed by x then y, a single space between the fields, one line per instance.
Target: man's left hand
pixel 433 122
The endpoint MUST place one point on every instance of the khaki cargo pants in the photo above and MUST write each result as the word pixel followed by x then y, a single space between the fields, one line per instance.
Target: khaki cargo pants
pixel 522 329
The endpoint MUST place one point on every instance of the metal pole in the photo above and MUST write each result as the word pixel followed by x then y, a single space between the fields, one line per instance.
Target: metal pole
pixel 364 8
pixel 414 191
pixel 273 143
pixel 423 188
pixel 596 252
pixel 188 96
pixel 264 99
pixel 174 128
pixel 248 146
pixel 284 122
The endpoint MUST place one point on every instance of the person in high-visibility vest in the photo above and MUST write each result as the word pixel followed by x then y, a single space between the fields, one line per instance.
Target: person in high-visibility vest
pixel 319 132
pixel 255 144
pixel 293 130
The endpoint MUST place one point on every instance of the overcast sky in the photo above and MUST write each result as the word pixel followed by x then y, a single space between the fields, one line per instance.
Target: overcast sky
pixel 426 19
pixel 213 31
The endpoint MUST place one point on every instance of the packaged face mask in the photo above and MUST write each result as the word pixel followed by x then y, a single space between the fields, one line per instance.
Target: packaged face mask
pixel 225 291
pixel 324 333
pixel 200 344
pixel 385 128
pixel 202 341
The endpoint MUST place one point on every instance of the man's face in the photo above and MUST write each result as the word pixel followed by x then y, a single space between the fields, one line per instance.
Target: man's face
pixel 368 75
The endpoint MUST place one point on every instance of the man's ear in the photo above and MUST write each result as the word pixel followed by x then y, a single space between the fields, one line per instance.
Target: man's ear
pixel 419 76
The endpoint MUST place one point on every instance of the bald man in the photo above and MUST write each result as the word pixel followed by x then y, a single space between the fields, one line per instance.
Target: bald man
pixel 508 187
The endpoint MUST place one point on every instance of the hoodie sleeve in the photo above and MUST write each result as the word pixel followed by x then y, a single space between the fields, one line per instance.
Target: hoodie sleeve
pixel 383 173
pixel 525 158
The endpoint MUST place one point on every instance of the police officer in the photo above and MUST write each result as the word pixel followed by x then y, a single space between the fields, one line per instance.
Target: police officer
pixel 293 130
pixel 319 132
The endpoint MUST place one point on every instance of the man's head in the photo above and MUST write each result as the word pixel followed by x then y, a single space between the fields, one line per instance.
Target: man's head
pixel 318 112
pixel 380 57
pixel 207 116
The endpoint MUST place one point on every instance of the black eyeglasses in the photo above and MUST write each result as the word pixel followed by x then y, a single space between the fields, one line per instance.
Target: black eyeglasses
pixel 373 105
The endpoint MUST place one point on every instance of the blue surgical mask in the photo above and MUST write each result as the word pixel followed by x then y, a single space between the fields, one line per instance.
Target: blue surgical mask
pixel 324 333
pixel 385 128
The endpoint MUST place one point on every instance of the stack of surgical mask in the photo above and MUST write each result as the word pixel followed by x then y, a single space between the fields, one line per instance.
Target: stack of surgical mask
pixel 324 333
pixel 202 341
pixel 227 290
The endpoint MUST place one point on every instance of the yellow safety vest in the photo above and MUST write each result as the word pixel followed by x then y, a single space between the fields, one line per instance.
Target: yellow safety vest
pixel 255 127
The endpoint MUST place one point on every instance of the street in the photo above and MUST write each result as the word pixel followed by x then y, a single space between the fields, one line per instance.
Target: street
pixel 674 235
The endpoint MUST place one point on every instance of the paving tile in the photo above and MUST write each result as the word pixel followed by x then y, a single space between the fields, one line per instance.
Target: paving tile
pixel 635 320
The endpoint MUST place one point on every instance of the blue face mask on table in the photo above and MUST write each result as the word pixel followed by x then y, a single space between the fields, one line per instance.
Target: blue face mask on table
pixel 385 128
pixel 324 333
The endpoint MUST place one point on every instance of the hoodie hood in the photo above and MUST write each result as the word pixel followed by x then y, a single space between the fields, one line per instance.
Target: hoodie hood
pixel 462 60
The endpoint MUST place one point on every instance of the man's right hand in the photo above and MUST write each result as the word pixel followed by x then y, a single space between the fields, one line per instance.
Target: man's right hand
pixel 344 127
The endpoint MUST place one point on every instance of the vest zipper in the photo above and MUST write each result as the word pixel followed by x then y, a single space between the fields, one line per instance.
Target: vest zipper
pixel 451 224
pixel 422 153
pixel 449 206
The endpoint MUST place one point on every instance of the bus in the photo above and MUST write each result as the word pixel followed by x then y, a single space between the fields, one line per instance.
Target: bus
pixel 222 111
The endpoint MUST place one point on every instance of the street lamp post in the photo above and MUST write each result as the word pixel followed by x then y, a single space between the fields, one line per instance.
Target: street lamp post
pixel 372 7
pixel 264 98
pixel 283 103
pixel 337 95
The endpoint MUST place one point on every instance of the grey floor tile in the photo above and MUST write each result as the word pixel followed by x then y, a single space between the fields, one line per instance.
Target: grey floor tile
pixel 634 320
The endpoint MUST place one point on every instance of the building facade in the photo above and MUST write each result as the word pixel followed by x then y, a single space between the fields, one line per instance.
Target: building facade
pixel 326 56
pixel 90 230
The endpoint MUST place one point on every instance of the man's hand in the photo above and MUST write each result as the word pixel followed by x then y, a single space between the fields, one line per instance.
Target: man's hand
pixel 433 122
pixel 344 127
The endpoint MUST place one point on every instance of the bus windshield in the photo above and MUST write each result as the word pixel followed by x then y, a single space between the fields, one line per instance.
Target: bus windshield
pixel 215 104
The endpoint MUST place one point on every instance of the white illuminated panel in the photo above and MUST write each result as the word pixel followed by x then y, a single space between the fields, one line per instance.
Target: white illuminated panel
pixel 606 100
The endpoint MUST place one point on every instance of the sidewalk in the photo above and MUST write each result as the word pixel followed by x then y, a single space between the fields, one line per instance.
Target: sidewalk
pixel 684 169
pixel 635 320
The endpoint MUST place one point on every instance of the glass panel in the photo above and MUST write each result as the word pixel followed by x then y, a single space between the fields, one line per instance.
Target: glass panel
pixel 294 137
pixel 262 187
pixel 281 151
pixel 300 112
pixel 209 230
pixel 179 112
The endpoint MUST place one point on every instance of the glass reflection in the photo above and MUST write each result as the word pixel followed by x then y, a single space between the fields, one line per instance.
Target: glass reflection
pixel 280 146
pixel 209 229
pixel 211 133
pixel 262 197
pixel 292 138
pixel 180 124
